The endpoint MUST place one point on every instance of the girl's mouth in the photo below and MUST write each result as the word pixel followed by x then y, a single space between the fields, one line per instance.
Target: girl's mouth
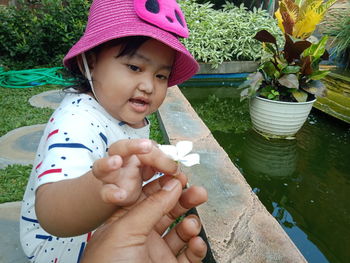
pixel 139 105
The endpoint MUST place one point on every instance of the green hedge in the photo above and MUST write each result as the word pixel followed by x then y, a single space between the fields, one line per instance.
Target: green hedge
pixel 41 36
pixel 217 4
pixel 227 34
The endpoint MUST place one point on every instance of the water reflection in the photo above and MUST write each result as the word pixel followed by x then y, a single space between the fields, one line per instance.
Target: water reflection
pixel 269 158
pixel 303 183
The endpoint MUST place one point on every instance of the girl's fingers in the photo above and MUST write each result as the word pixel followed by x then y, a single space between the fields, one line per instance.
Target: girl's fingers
pixel 110 193
pixel 160 161
pixel 178 237
pixel 195 251
pixel 105 166
pixel 125 148
pixel 147 152
pixel 147 173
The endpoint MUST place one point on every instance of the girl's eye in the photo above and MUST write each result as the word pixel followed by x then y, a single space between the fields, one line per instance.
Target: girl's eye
pixel 134 68
pixel 162 77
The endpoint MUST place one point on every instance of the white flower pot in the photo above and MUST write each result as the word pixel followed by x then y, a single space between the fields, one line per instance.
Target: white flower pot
pixel 278 118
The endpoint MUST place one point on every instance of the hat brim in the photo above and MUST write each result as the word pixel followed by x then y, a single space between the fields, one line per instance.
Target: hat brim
pixel 185 66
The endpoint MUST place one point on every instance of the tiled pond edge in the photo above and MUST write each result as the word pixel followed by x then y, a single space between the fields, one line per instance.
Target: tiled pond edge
pixel 229 67
pixel 237 225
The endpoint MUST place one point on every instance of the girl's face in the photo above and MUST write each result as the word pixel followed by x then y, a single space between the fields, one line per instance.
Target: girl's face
pixel 132 87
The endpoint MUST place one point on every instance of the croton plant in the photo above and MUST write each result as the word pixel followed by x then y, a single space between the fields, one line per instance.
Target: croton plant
pixel 291 73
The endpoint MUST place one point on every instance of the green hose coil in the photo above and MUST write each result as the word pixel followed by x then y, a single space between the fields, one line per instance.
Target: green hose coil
pixel 28 78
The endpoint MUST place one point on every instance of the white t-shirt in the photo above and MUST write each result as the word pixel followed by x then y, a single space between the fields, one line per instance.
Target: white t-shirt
pixel 78 133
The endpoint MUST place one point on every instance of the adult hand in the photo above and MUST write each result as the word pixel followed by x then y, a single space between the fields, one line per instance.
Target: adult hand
pixel 130 162
pixel 135 235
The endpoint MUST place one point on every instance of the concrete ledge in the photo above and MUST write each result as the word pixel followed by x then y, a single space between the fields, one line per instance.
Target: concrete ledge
pixel 237 225
pixel 229 67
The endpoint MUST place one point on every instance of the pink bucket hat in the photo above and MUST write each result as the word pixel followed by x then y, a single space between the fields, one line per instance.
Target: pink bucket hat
pixel 159 19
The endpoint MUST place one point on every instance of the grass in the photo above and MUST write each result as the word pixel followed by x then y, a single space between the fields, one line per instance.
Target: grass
pixel 13 181
pixel 155 133
pixel 15 112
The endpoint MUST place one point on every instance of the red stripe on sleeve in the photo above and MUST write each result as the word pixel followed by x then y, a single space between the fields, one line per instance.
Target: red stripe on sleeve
pixel 51 171
pixel 38 165
pixel 88 236
pixel 51 133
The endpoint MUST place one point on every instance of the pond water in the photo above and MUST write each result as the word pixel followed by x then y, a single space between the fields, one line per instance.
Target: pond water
pixel 304 183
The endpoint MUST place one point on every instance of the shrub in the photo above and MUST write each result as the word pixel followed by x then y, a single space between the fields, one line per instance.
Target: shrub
pixel 219 3
pixel 41 35
pixel 341 43
pixel 225 35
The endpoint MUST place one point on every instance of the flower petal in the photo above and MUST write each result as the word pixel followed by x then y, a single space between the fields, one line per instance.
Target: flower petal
pixel 190 159
pixel 183 148
pixel 169 150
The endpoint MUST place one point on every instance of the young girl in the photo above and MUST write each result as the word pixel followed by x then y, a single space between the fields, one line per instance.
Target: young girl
pixel 92 158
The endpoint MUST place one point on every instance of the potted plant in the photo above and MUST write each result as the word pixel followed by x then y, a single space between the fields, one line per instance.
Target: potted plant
pixel 288 79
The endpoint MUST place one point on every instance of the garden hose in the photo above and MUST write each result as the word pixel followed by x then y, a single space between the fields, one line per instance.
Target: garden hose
pixel 29 78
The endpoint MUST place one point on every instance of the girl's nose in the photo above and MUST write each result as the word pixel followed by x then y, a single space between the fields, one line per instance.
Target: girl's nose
pixel 146 85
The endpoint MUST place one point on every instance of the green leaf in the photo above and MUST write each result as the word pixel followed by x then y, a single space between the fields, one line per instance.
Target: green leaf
pixel 290 81
pixel 316 50
pixel 270 96
pixel 319 74
pixel 299 95
pixel 291 69
pixel 269 92
pixel 271 48
pixel 269 69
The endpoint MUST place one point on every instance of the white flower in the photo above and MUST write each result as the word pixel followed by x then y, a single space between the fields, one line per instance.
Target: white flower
pixel 180 153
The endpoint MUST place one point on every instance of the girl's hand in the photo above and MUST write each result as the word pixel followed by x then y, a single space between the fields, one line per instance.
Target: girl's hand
pixel 130 162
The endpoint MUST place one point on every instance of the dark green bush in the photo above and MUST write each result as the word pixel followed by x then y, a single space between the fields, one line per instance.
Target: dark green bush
pixel 40 35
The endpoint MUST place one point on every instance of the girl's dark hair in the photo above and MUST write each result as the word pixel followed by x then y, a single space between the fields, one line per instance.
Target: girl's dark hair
pixel 129 46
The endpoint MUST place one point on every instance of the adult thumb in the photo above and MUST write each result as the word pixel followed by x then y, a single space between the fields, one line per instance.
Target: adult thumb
pixel 142 218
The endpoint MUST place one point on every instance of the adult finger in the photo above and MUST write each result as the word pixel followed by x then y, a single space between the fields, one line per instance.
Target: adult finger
pixel 191 197
pixel 156 185
pixel 195 251
pixel 151 210
pixel 178 237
